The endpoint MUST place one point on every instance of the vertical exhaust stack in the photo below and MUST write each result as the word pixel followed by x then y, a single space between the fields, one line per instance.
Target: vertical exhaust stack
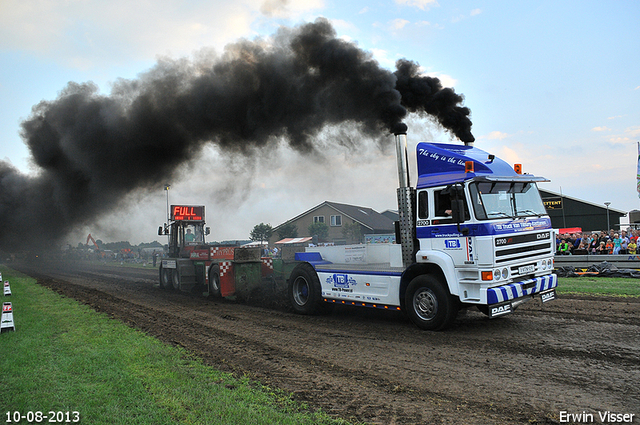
pixel 406 196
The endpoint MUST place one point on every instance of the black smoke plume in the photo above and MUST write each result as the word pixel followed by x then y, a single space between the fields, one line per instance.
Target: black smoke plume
pixel 91 150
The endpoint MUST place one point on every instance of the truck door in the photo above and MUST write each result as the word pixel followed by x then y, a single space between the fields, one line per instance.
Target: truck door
pixel 444 230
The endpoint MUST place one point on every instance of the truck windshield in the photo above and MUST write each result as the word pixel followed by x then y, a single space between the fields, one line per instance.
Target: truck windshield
pixel 506 200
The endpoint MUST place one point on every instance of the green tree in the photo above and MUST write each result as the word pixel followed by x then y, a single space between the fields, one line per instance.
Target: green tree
pixel 319 229
pixel 261 232
pixel 352 231
pixel 288 230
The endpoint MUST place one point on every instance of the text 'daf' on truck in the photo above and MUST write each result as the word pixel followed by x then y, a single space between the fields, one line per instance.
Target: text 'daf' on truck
pixel 472 232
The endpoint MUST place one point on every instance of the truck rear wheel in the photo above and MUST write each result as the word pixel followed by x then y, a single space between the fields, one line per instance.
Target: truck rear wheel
pixel 429 304
pixel 304 290
pixel 165 278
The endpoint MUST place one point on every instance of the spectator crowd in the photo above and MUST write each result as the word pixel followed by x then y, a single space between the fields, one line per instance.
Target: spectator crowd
pixel 598 243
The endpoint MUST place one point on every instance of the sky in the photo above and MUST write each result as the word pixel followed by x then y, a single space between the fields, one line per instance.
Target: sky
pixel 552 85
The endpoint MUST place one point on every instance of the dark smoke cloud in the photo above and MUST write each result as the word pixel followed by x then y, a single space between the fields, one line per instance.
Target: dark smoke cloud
pixel 92 150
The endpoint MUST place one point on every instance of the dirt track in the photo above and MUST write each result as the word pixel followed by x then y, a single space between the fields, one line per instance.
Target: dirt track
pixel 574 355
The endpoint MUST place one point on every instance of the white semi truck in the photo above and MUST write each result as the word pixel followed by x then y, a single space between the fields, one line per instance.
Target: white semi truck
pixel 473 232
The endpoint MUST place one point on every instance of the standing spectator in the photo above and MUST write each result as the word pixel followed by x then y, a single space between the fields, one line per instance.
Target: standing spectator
pixel 602 249
pixel 632 247
pixel 624 242
pixel 609 246
pixel 616 244
pixel 603 237
pixel 577 240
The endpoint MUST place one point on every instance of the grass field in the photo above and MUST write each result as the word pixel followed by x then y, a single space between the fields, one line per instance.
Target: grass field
pixel 609 286
pixel 65 357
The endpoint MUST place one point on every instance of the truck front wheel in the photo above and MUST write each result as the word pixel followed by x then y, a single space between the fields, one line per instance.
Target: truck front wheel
pixel 304 290
pixel 429 304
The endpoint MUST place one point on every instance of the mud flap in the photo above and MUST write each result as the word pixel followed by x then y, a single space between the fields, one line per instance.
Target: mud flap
pixel 497 310
pixel 548 296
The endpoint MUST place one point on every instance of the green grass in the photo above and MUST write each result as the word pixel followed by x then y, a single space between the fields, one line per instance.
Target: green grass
pixel 609 286
pixel 64 356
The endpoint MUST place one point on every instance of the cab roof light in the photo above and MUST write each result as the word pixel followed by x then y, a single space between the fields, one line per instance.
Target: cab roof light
pixel 468 166
pixel 517 168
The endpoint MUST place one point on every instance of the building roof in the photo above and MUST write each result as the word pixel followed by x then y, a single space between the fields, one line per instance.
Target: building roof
pixel 544 193
pixel 365 216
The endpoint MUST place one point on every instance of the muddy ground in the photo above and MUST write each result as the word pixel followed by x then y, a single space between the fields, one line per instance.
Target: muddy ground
pixel 574 355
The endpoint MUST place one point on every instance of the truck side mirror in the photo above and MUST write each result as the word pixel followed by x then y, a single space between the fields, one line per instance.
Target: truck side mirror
pixel 160 231
pixel 207 231
pixel 457 210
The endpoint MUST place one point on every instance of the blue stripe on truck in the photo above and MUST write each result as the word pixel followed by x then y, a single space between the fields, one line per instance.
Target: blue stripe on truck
pixel 516 290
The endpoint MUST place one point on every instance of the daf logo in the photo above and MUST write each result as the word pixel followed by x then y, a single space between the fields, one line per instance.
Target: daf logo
pixel 549 296
pixel 503 309
pixel 544 235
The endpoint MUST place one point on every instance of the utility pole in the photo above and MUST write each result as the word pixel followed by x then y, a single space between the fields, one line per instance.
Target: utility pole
pixel 608 227
pixel 167 186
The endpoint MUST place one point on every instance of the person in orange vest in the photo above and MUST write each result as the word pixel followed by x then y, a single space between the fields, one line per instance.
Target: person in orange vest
pixel 609 246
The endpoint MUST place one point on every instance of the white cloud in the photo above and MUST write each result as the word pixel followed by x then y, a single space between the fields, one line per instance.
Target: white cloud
pixel 458 18
pixel 382 56
pixel 496 135
pixel 629 135
pixel 342 25
pixel 510 155
pixel 287 8
pixel 603 128
pixel 445 79
pixel 420 4
pixel 633 132
pixel 398 24
pixel 86 33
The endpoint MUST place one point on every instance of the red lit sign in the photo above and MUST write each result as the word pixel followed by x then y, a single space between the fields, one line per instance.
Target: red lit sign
pixel 187 213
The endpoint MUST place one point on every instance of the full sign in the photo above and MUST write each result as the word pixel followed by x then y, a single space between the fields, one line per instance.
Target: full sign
pixel 187 213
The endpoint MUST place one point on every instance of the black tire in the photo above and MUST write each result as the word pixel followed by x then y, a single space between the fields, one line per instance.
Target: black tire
pixel 175 278
pixel 165 278
pixel 429 304
pixel 214 282
pixel 304 291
